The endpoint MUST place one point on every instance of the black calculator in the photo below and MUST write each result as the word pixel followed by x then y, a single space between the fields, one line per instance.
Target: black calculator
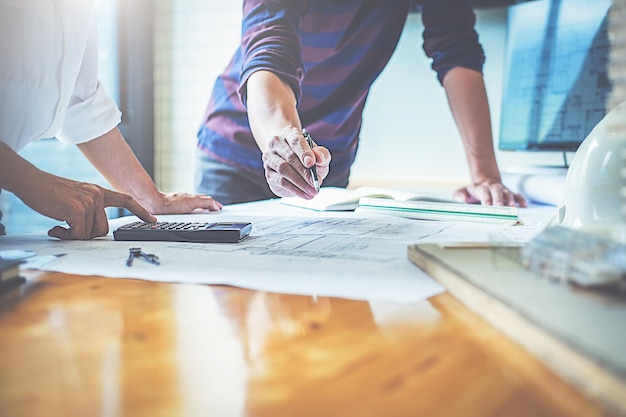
pixel 184 232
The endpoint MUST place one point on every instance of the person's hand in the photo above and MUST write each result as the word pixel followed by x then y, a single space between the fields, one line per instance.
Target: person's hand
pixel 81 205
pixel 183 203
pixel 489 192
pixel 287 164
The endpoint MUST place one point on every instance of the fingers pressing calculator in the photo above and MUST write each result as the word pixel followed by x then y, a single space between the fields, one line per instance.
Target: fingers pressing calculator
pixel 184 232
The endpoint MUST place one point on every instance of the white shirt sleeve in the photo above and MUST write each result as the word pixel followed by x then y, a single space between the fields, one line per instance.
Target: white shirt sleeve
pixel 90 112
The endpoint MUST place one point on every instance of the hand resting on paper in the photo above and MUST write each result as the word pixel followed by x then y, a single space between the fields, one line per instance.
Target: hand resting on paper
pixel 489 192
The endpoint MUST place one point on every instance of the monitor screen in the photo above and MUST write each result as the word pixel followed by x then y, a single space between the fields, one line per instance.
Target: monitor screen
pixel 556 84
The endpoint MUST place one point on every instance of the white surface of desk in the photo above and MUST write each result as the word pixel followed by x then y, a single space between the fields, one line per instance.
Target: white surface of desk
pixel 290 250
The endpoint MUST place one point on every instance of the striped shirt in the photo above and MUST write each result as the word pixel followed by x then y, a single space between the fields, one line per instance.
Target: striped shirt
pixel 329 52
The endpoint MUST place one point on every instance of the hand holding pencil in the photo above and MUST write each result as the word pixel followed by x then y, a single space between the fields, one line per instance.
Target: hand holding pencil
pixel 294 164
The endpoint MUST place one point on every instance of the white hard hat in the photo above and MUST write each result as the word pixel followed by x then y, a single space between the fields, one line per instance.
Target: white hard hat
pixel 595 187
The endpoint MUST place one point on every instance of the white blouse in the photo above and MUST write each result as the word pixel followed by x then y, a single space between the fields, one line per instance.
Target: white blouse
pixel 49 73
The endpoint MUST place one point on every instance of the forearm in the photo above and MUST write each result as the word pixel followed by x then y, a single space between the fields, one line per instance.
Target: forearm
pixel 467 97
pixel 17 175
pixel 271 107
pixel 111 155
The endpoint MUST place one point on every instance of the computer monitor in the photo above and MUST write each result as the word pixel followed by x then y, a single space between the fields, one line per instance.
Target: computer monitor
pixel 556 84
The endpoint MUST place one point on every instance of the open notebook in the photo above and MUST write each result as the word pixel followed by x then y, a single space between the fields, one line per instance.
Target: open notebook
pixel 341 199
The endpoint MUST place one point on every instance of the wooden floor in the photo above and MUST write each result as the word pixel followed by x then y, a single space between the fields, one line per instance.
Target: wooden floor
pixel 89 346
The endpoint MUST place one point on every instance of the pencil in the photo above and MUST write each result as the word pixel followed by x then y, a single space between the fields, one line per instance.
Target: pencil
pixel 316 182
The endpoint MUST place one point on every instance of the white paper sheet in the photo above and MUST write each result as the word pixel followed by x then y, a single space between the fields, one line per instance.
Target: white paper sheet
pixel 290 250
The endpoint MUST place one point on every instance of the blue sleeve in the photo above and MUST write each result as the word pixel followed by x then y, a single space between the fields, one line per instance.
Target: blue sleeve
pixel 450 39
pixel 270 41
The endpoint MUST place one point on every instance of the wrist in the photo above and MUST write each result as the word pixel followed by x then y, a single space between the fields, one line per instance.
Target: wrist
pixel 486 179
pixel 151 200
pixel 486 171
pixel 24 176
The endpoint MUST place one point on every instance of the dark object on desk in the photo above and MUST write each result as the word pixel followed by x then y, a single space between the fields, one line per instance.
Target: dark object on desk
pixel 8 284
pixel 184 232
pixel 10 275
pixel 138 253
pixel 2 229
pixel 9 268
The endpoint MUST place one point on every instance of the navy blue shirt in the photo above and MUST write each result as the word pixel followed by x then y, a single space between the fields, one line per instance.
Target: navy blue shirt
pixel 329 52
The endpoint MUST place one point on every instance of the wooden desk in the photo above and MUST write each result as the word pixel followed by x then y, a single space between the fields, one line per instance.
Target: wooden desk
pixel 90 346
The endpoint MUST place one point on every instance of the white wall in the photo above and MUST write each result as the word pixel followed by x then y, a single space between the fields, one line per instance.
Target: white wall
pixel 408 131
pixel 194 41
